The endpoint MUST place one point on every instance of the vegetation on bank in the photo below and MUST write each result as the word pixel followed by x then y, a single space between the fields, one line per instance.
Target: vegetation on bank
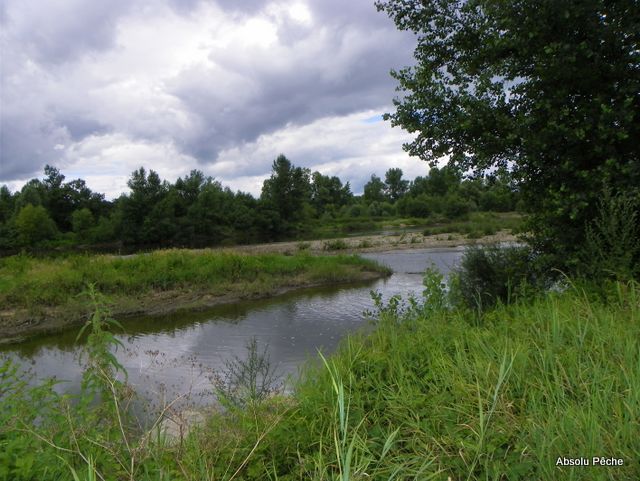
pixel 434 392
pixel 197 211
pixel 45 288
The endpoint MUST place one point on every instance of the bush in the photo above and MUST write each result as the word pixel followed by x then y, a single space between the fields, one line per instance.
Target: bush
pixel 491 274
pixel 612 244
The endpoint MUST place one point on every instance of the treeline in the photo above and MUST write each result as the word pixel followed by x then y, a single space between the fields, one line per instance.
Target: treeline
pixel 197 210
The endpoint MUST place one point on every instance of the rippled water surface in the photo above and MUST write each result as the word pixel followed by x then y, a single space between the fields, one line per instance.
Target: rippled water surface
pixel 178 353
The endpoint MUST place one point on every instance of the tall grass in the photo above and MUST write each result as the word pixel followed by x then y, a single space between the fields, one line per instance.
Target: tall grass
pixel 558 377
pixel 27 281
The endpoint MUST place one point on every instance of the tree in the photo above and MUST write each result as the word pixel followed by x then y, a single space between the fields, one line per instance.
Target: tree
pixel 82 221
pixel 547 89
pixel 34 225
pixel 287 190
pixel 147 191
pixel 328 193
pixel 395 187
pixel 374 190
pixel 7 204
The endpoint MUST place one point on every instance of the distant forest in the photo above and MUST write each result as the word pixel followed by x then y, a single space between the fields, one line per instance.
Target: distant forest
pixel 198 211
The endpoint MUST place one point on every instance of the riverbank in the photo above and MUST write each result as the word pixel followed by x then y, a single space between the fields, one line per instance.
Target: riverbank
pixel 41 296
pixel 377 243
pixel 432 393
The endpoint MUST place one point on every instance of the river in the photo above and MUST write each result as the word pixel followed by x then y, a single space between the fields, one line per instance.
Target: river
pixel 176 354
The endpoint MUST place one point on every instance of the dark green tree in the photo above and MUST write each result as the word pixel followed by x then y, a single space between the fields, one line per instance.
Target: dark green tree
pixel 395 186
pixel 374 190
pixel 147 191
pixel 328 193
pixel 7 204
pixel 545 88
pixel 82 221
pixel 287 190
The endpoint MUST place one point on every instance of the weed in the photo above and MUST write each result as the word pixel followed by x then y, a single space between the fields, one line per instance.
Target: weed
pixel 246 381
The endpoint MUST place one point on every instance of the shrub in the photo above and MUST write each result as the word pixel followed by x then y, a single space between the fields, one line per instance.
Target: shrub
pixel 248 380
pixel 491 274
pixel 612 245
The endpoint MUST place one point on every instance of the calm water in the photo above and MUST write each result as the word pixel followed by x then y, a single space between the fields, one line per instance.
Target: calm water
pixel 177 353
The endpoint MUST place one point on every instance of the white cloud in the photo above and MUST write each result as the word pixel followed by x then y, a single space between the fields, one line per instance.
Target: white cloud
pixel 351 147
pixel 221 86
pixel 106 161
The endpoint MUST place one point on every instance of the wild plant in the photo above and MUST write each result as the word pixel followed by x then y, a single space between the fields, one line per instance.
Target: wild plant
pixel 102 365
pixel 612 242
pixel 246 381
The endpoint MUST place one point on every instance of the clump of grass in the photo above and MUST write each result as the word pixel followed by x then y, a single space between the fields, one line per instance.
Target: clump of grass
pixel 335 245
pixel 303 246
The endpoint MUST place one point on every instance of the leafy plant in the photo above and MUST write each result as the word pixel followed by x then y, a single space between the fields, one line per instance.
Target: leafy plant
pixel 491 274
pixel 102 365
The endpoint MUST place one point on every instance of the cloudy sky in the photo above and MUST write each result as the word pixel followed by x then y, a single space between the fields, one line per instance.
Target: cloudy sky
pixel 99 88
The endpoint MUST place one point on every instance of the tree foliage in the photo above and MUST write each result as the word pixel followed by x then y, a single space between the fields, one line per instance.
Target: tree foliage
pixel 547 89
pixel 198 210
pixel 34 225
pixel 395 185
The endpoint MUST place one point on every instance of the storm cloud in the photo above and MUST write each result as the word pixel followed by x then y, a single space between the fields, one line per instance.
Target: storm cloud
pixel 198 82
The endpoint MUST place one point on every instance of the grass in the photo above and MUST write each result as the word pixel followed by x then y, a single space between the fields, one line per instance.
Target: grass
pixel 430 394
pixel 25 280
pixel 335 245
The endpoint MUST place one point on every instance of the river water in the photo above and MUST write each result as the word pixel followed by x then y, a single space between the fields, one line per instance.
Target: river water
pixel 177 354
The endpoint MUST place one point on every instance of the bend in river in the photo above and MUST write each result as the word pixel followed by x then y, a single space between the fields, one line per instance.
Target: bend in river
pixel 177 354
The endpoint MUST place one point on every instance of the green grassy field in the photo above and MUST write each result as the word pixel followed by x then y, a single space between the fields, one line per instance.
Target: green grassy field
pixel 430 394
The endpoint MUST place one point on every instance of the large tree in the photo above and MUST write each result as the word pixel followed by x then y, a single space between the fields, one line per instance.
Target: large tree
pixel 548 89
pixel 395 186
pixel 287 190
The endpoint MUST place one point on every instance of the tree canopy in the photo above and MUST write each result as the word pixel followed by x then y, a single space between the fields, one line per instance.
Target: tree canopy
pixel 547 89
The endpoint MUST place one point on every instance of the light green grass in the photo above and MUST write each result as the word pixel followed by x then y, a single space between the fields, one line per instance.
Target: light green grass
pixel 445 397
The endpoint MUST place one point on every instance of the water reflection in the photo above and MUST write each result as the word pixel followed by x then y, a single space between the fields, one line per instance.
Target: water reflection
pixel 176 353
